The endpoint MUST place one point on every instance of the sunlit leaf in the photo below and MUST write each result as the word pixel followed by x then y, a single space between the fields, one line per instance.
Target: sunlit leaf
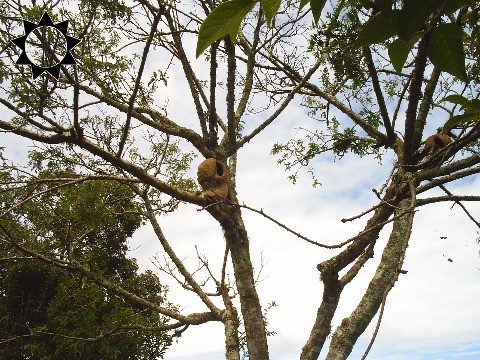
pixel 398 52
pixel 270 8
pixel 224 20
pixel 459 120
pixel 456 99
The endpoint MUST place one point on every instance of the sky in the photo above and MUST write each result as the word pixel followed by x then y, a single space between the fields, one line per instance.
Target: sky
pixel 431 313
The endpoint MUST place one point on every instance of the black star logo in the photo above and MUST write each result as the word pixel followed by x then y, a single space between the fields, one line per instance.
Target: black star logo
pixel 55 69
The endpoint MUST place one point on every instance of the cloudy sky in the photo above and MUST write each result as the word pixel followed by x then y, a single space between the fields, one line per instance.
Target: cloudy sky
pixel 431 313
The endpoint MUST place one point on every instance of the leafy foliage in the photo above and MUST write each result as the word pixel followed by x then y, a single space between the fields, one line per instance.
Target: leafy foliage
pixel 445 49
pixel 471 112
pixel 270 8
pixel 48 313
pixel 224 20
pixel 378 29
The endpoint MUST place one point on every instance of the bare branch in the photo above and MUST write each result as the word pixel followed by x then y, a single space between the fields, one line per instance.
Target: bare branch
pixel 476 198
pixel 316 91
pixel 48 139
pixel 414 97
pixel 279 110
pixel 115 331
pixel 212 116
pixel 189 73
pixel 380 99
pixel 251 52
pixel 382 282
pixel 157 121
pixel 425 106
pixel 449 169
pixel 146 50
pixel 178 263
pixel 231 69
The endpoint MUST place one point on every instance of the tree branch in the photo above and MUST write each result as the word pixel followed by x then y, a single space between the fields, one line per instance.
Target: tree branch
pixel 279 110
pixel 295 76
pixel 425 106
pixel 231 84
pixel 189 73
pixel 212 116
pixel 193 319
pixel 113 160
pixel 383 281
pixel 178 263
pixel 380 99
pixel 131 102
pixel 47 139
pixel 414 98
pixel 250 52
pixel 115 331
pixel 159 122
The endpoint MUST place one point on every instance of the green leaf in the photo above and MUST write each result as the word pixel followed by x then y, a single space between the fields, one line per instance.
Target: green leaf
pixel 471 106
pixel 317 7
pixel 445 50
pixel 459 120
pixel 303 3
pixel 224 20
pixel 377 29
pixel 456 99
pixel 414 14
pixel 453 5
pixel 398 52
pixel 270 8
pixel 474 105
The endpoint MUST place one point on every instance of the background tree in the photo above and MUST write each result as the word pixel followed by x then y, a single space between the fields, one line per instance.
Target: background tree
pixel 103 119
pixel 47 312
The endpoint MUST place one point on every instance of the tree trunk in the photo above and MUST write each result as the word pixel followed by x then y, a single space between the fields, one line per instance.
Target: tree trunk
pixel 322 326
pixel 232 348
pixel 329 270
pixel 237 240
pixel 385 276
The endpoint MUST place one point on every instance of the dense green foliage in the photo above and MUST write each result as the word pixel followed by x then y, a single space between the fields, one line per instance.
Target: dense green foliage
pixel 47 313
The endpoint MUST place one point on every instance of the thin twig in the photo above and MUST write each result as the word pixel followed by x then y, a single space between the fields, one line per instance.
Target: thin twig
pixel 461 205
pixel 126 128
pixel 336 246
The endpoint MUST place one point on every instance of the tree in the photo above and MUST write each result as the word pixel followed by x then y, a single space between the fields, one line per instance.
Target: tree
pixel 47 312
pixel 111 126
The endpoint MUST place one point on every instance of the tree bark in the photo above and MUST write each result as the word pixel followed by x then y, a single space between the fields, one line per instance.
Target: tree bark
pixel 322 326
pixel 385 276
pixel 237 241
pixel 232 347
